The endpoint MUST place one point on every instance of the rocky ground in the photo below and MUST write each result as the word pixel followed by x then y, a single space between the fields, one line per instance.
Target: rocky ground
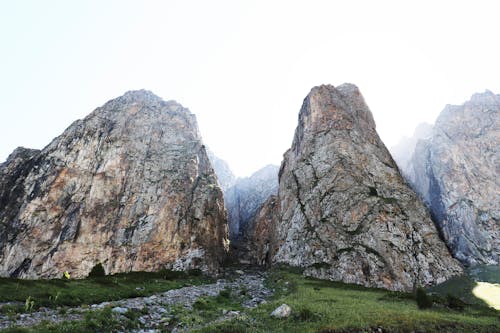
pixel 156 310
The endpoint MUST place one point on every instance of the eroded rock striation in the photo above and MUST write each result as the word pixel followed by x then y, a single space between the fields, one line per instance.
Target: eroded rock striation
pixel 457 173
pixel 345 211
pixel 130 186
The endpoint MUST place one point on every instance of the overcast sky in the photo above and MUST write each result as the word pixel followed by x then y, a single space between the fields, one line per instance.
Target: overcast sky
pixel 243 67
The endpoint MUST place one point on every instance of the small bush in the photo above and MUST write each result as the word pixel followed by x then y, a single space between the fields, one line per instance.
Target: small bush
pixel 423 300
pixel 97 271
pixel 202 304
pixel 224 294
pixel 455 302
pixel 12 308
pixel 195 272
pixel 305 314
pixel 173 275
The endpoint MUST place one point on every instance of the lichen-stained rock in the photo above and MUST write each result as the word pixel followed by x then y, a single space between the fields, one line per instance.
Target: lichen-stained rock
pixel 130 186
pixel 346 212
pixel 457 173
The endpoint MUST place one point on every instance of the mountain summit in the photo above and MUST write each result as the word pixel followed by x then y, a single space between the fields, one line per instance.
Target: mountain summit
pixel 345 211
pixel 130 187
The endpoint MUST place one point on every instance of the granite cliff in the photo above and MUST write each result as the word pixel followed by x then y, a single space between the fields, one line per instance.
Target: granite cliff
pixel 457 173
pixel 129 186
pixel 345 212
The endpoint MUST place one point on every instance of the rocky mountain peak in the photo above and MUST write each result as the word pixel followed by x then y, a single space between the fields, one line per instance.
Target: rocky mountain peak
pixel 129 186
pixel 142 96
pixel 485 99
pixel 328 108
pixel 345 211
pixel 20 154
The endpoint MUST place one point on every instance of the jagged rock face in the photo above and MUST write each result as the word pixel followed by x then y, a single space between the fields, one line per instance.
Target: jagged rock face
pixel 346 212
pixel 225 176
pixel 246 196
pixel 261 232
pixel 456 172
pixel 130 186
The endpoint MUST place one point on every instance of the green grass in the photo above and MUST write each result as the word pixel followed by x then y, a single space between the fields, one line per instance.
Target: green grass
pixel 206 309
pixel 58 292
pixel 95 321
pixel 323 306
pixel 317 307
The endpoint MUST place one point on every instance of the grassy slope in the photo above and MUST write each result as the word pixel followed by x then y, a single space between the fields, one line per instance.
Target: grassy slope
pixel 317 306
pixel 323 306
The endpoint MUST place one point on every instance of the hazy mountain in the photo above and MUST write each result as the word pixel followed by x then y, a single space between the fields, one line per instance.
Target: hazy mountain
pixel 403 151
pixel 245 197
pixel 457 173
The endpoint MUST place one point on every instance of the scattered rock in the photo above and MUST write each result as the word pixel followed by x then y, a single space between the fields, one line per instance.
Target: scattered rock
pixel 159 306
pixel 119 310
pixel 282 311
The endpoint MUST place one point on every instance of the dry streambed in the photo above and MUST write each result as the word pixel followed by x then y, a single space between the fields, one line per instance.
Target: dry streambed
pixel 157 310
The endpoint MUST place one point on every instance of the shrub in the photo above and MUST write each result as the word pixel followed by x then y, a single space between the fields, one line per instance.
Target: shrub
pixel 423 300
pixel 224 294
pixel 202 304
pixel 305 314
pixel 195 272
pixel 454 302
pixel 97 271
pixel 173 275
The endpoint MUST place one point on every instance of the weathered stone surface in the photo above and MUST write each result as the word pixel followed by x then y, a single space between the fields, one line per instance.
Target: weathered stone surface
pixel 246 196
pixel 282 311
pixel 346 212
pixel 457 173
pixel 260 240
pixel 130 186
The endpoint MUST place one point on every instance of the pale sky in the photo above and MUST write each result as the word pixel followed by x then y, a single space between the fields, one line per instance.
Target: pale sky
pixel 243 67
